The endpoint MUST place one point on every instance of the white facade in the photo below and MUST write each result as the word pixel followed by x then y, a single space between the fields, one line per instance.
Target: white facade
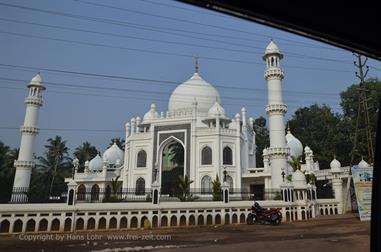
pixel 209 144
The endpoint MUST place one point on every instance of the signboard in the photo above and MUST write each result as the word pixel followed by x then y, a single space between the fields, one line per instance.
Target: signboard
pixel 362 179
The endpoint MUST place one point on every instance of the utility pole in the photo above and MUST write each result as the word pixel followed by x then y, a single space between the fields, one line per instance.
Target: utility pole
pixel 362 108
pixel 362 114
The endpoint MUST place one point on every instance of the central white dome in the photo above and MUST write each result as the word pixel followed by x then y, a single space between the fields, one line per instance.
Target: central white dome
pixel 113 154
pixel 194 90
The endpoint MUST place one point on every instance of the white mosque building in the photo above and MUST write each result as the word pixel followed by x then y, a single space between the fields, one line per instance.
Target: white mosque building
pixel 210 143
pixel 196 139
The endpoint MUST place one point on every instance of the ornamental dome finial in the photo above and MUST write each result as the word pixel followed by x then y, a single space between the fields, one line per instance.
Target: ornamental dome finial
pixel 196 64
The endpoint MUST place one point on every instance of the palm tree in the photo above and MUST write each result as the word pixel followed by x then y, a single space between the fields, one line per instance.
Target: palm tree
pixel 184 190
pixel 85 152
pixel 294 163
pixel 116 185
pixel 57 162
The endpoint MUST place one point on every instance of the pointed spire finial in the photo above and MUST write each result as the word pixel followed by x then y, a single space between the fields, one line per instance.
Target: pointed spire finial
pixel 288 128
pixel 196 64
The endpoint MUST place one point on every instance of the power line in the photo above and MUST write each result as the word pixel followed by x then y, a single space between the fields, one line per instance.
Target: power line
pixel 290 54
pixel 136 25
pixel 145 92
pixel 157 81
pixel 186 21
pixel 186 9
pixel 66 129
pixel 158 52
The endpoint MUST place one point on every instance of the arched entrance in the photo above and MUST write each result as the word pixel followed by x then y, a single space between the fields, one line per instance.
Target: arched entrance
pixel 172 166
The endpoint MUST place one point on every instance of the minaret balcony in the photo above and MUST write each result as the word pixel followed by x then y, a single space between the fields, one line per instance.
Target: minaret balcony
pixel 23 164
pixel 277 108
pixel 274 73
pixel 34 100
pixel 29 130
pixel 282 152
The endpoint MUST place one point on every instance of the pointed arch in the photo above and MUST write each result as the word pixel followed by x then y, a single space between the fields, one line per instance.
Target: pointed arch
pixel 140 186
pixel 206 156
pixel 95 192
pixel 206 184
pixel 55 226
pixel 81 192
pixel 227 156
pixel 141 159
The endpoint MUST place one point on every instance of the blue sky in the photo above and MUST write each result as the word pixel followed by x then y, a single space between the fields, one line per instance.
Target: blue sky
pixel 151 40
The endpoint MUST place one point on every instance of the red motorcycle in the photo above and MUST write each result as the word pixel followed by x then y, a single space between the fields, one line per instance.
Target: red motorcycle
pixel 261 215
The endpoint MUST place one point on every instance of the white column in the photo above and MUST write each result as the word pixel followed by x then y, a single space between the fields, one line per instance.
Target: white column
pixel 133 126
pixel 128 130
pixel 276 109
pixel 337 185
pixel 29 131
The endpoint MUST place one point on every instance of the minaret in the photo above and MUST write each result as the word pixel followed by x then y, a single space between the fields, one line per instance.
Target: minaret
pixel 29 131
pixel 278 150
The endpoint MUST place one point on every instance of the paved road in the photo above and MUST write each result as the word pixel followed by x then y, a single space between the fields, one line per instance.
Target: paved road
pixel 343 233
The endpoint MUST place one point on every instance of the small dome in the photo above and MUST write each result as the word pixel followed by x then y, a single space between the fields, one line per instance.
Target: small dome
pixel 265 151
pixel 151 114
pixel 296 147
pixel 272 48
pixel 112 154
pixel 36 81
pixel 299 179
pixel 194 90
pixel 216 110
pixel 363 164
pixel 96 163
pixel 307 149
pixel 335 165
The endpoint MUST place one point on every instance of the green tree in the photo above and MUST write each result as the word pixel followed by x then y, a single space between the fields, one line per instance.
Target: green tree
pixel 294 162
pixel 85 152
pixel 349 104
pixel 262 139
pixel 55 165
pixel 116 185
pixel 7 171
pixel 216 187
pixel 325 132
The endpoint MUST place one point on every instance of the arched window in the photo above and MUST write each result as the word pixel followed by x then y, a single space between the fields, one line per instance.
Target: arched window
pixel 141 159
pixel 140 186
pixel 206 156
pixel 81 193
pixel 227 156
pixel 229 180
pixel 95 192
pixel 206 184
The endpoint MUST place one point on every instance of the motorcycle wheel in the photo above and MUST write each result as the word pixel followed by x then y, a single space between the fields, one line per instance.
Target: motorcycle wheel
pixel 276 221
pixel 250 220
